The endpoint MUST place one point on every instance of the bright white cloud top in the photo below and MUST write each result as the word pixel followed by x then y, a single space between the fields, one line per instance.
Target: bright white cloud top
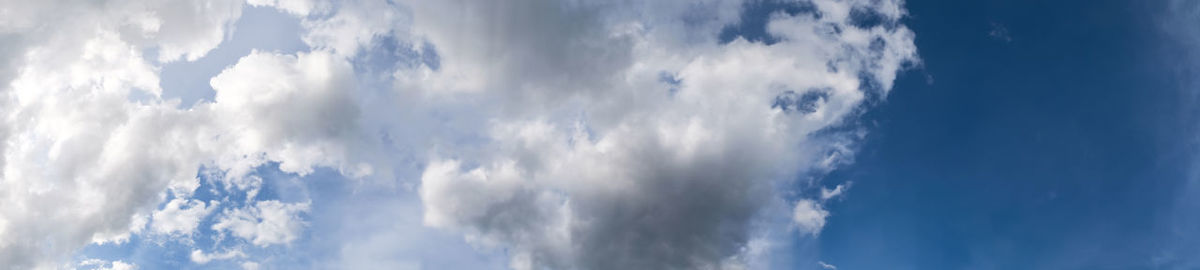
pixel 570 134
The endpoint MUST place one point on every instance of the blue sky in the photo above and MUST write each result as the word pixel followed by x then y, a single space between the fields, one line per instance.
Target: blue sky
pixel 1067 144
pixel 539 134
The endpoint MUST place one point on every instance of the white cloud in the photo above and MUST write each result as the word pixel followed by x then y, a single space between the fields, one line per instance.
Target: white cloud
pixel 826 265
pixel 198 256
pixel 181 216
pixel 185 30
pixel 265 223
pixel 541 127
pixel 599 165
pixel 119 265
pixel 827 194
pixel 809 216
pixel 76 139
pixel 175 30
pixel 75 142
pixel 73 138
pixel 299 110
pixel 343 27
pixel 296 7
pixel 97 264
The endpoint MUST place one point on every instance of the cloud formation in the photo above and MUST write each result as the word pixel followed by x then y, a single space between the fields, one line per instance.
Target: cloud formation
pixel 266 223
pixel 181 216
pixel 614 171
pixel 574 134
pixel 91 147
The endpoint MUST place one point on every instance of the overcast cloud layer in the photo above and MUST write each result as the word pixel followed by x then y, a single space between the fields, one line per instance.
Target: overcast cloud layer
pixel 554 134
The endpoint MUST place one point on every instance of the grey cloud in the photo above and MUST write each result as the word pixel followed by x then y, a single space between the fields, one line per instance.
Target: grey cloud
pixel 679 181
pixel 545 128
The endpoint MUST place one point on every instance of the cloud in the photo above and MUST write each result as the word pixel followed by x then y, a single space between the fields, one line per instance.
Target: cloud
pixel 1183 40
pixel 198 256
pixel 827 194
pixel 187 30
pixel 75 142
pixel 96 264
pixel 71 136
pixel 295 7
pixel 298 110
pixel 999 32
pixel 354 25
pixel 809 216
pixel 181 216
pixel 265 223
pixel 76 139
pixel 119 265
pixel 542 128
pixel 612 170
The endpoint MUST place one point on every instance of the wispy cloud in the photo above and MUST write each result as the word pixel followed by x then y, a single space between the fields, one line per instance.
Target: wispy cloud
pixel 999 32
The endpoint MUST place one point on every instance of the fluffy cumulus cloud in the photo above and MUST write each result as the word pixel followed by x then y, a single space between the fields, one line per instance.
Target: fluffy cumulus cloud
pixel 90 147
pixel 570 134
pixel 299 110
pixel 266 223
pixel 181 216
pixel 809 216
pixel 594 161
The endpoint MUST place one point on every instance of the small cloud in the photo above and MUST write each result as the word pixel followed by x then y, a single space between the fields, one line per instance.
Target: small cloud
pixel 199 257
pixel 809 216
pixel 98 264
pixel 827 194
pixel 181 216
pixel 265 223
pixel 999 32
pixel 826 265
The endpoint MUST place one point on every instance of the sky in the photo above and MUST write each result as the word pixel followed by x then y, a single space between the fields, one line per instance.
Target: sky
pixel 582 134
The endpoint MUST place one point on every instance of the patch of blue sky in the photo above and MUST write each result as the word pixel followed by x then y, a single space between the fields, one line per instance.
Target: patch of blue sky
pixel 155 251
pixel 755 16
pixel 1059 148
